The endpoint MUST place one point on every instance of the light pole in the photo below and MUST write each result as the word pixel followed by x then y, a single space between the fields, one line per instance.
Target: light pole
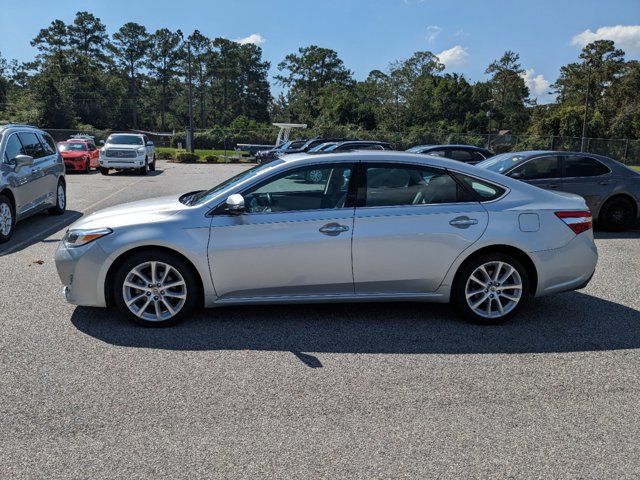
pixel 586 108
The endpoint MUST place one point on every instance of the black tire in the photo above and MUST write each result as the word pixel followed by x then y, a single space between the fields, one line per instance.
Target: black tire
pixel 145 168
pixel 87 166
pixel 4 200
pixel 617 214
pixel 104 171
pixel 193 293
pixel 152 165
pixel 61 204
pixel 459 297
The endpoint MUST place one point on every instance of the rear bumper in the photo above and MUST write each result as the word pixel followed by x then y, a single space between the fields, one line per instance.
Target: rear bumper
pixel 567 268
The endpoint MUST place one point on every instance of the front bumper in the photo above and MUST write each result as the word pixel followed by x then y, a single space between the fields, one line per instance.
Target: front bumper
pixel 122 163
pixel 75 164
pixel 567 268
pixel 79 270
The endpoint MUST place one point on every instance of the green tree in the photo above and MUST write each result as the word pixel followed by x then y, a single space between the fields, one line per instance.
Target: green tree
pixel 130 46
pixel 164 62
pixel 509 93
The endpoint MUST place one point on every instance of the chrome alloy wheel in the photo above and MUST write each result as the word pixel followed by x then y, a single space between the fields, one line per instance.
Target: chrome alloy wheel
pixel 494 289
pixel 315 176
pixel 62 198
pixel 6 219
pixel 154 291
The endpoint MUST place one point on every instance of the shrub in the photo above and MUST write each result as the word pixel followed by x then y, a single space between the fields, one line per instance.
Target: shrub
pixel 165 155
pixel 186 157
pixel 212 159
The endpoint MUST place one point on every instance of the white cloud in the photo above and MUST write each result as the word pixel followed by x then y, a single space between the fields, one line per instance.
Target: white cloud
pixel 432 32
pixel 254 38
pixel 456 56
pixel 626 37
pixel 538 86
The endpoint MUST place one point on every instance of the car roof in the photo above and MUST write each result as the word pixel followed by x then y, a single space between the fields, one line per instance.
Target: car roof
pixel 19 126
pixel 451 146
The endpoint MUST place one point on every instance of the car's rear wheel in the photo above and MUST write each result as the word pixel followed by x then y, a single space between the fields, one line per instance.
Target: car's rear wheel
pixel 104 171
pixel 155 289
pixel 491 288
pixel 61 199
pixel 7 218
pixel 617 214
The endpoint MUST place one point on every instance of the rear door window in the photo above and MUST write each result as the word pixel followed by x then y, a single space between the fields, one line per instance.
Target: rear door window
pixel 396 185
pixel 584 167
pixel 461 155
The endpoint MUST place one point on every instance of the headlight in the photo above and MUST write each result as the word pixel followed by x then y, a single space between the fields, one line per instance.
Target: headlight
pixel 78 237
pixel 141 150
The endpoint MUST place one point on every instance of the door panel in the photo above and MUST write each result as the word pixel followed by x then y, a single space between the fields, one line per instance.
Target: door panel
pixel 410 249
pixel 588 178
pixel 274 254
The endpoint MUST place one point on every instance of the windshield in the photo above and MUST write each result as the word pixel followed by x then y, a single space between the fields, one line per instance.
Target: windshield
pixel 72 147
pixel 124 140
pixel 321 147
pixel 206 195
pixel 500 163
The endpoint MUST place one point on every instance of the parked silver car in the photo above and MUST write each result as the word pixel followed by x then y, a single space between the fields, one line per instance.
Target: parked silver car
pixel 611 190
pixel 380 226
pixel 32 176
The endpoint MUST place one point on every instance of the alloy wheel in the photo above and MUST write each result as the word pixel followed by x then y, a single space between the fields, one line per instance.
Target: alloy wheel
pixel 62 198
pixel 6 219
pixel 154 291
pixel 315 176
pixel 493 290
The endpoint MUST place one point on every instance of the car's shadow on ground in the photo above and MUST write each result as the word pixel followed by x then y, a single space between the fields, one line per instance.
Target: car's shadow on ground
pixel 632 233
pixel 36 228
pixel 570 322
pixel 133 173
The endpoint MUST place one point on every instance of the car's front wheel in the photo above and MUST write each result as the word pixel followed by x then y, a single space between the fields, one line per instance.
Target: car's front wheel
pixel 145 168
pixel 155 289
pixel 491 288
pixel 104 171
pixel 7 219
pixel 152 165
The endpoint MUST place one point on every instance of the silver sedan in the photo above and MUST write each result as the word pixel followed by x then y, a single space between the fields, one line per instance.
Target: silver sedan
pixel 379 226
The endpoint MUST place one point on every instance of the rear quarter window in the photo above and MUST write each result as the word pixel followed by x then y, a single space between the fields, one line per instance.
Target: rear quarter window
pixel 483 190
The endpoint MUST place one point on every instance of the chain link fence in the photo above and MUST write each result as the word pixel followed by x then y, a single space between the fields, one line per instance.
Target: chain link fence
pixel 225 142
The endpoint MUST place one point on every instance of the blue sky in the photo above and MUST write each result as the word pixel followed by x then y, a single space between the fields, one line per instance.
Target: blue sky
pixel 367 34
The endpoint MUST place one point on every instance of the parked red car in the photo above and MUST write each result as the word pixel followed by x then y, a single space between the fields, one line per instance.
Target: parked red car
pixel 79 155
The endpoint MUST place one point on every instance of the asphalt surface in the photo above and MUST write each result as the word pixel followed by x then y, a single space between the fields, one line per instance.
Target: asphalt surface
pixel 320 391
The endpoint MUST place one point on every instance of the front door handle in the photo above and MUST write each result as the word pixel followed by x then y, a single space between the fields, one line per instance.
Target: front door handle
pixel 463 222
pixel 333 229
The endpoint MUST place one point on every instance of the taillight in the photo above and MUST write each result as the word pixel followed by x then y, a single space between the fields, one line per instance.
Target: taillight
pixel 577 221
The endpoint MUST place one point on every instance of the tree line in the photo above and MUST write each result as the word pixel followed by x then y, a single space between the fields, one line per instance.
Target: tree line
pixel 83 77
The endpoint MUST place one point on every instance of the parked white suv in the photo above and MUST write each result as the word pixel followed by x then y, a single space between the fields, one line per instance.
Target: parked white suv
pixel 31 176
pixel 127 151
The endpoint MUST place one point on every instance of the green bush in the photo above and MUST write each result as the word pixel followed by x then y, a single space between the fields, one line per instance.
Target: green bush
pixel 212 159
pixel 186 157
pixel 164 156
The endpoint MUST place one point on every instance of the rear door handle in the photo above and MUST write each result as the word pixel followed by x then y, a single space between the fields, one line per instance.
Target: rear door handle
pixel 463 222
pixel 333 229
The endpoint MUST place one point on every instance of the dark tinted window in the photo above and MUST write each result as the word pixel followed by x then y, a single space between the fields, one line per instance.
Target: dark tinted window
pixel 461 155
pixel 539 168
pixel 583 167
pixel 31 145
pixel 392 185
pixel 13 148
pixel 477 156
pixel 47 143
pixel 485 190
pixel 436 153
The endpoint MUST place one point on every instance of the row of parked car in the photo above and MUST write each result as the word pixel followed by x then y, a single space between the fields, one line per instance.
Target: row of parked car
pixel 611 190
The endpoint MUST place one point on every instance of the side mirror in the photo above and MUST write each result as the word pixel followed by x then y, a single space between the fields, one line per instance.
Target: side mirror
pixel 23 161
pixel 517 175
pixel 235 204
pixel 149 143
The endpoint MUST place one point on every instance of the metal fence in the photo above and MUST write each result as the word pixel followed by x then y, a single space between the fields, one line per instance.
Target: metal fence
pixel 626 151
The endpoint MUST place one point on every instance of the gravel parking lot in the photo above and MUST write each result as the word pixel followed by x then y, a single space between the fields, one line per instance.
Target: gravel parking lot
pixel 320 391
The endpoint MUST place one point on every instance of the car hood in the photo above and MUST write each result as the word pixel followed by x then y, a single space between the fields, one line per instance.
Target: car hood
pixel 133 213
pixel 74 154
pixel 122 147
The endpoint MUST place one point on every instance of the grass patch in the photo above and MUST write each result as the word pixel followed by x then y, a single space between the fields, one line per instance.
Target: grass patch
pixel 635 167
pixel 207 155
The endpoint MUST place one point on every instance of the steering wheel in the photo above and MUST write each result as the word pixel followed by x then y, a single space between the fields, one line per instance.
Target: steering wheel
pixel 260 206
